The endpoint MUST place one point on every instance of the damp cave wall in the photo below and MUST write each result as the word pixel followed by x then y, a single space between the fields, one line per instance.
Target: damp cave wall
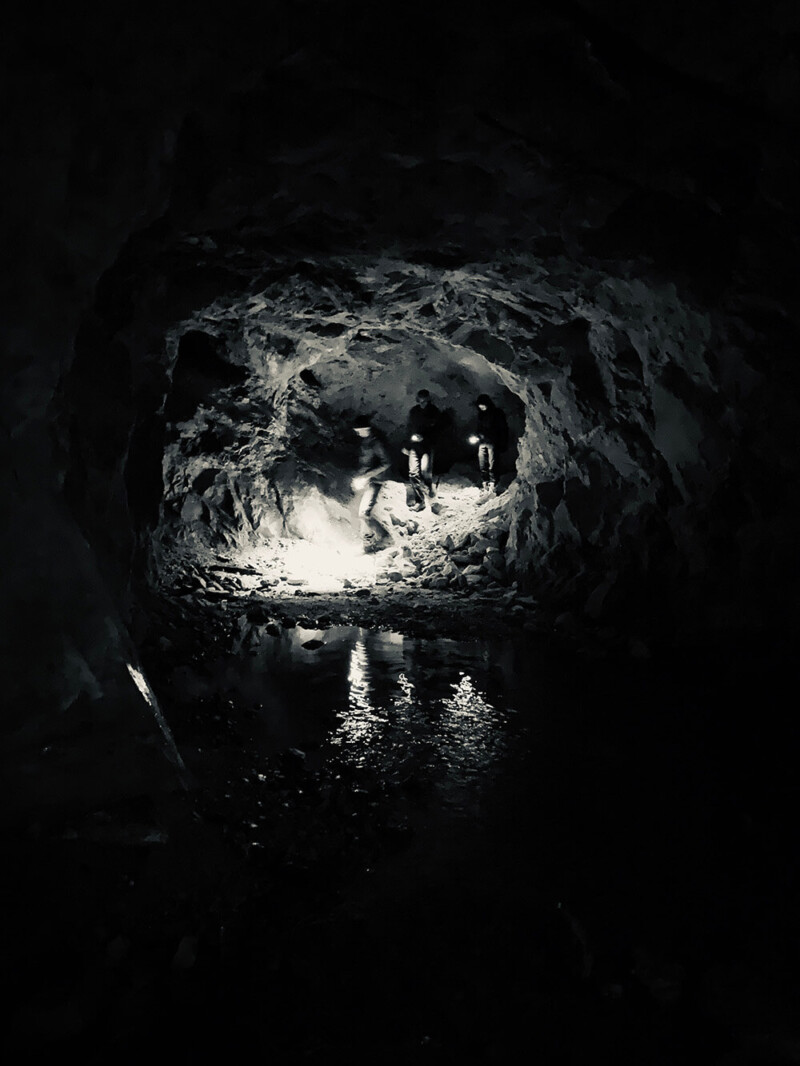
pixel 636 168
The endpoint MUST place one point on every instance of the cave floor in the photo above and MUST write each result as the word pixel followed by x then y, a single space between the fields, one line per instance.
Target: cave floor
pixel 400 848
pixel 420 584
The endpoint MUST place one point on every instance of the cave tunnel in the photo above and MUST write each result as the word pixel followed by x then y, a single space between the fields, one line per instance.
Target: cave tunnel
pixel 525 776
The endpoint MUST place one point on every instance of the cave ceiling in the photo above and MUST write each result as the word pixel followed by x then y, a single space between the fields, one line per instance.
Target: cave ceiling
pixel 563 215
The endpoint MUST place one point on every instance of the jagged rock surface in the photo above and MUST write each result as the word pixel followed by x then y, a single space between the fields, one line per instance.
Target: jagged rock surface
pixel 627 433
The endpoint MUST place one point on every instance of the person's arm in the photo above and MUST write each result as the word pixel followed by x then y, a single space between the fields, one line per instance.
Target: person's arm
pixel 379 463
pixel 478 434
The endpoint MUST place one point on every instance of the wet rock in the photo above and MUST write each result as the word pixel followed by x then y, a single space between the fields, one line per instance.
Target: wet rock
pixel 117 949
pixel 593 607
pixel 475 579
pixel 496 573
pixel 437 582
pixel 566 623
pixel 568 946
pixel 638 649
pixel 102 828
pixel 186 953
pixel 663 979
pixel 496 535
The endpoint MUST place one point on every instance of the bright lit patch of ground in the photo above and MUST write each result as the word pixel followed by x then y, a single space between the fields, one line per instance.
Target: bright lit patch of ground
pixel 333 561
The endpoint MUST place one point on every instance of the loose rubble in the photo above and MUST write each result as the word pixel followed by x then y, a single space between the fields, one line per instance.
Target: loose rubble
pixel 437 562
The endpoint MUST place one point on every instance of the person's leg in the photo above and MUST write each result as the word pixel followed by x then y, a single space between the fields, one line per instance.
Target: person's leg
pixel 417 500
pixel 486 457
pixel 426 471
pixel 372 530
pixel 366 503
pixel 490 474
pixel 483 463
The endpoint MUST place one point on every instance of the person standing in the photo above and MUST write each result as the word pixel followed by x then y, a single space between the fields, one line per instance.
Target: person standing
pixel 373 466
pixel 424 420
pixel 491 436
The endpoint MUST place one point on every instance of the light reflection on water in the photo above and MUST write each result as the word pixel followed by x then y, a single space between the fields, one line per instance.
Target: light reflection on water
pixel 362 724
pixel 434 708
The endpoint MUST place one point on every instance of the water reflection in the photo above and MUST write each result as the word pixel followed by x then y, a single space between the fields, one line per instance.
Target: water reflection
pixel 472 735
pixel 434 709
pixel 393 706
pixel 361 726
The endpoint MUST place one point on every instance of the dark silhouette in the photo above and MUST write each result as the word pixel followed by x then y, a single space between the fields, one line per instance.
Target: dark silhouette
pixel 424 423
pixel 491 436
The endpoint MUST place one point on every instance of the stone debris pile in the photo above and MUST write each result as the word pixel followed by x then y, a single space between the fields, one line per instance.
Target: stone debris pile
pixel 468 561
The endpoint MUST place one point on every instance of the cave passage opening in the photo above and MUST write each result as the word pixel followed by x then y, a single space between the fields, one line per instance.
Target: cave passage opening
pixel 260 452
pixel 259 364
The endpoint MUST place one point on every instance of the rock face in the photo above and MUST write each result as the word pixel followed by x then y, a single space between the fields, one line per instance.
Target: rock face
pixel 627 437
pixel 225 247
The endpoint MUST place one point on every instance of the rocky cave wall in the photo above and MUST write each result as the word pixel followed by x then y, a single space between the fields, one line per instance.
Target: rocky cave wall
pixel 629 426
pixel 313 355
pixel 595 207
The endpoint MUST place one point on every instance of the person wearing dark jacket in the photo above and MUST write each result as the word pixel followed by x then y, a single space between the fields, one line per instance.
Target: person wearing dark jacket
pixel 373 465
pixel 491 436
pixel 424 420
